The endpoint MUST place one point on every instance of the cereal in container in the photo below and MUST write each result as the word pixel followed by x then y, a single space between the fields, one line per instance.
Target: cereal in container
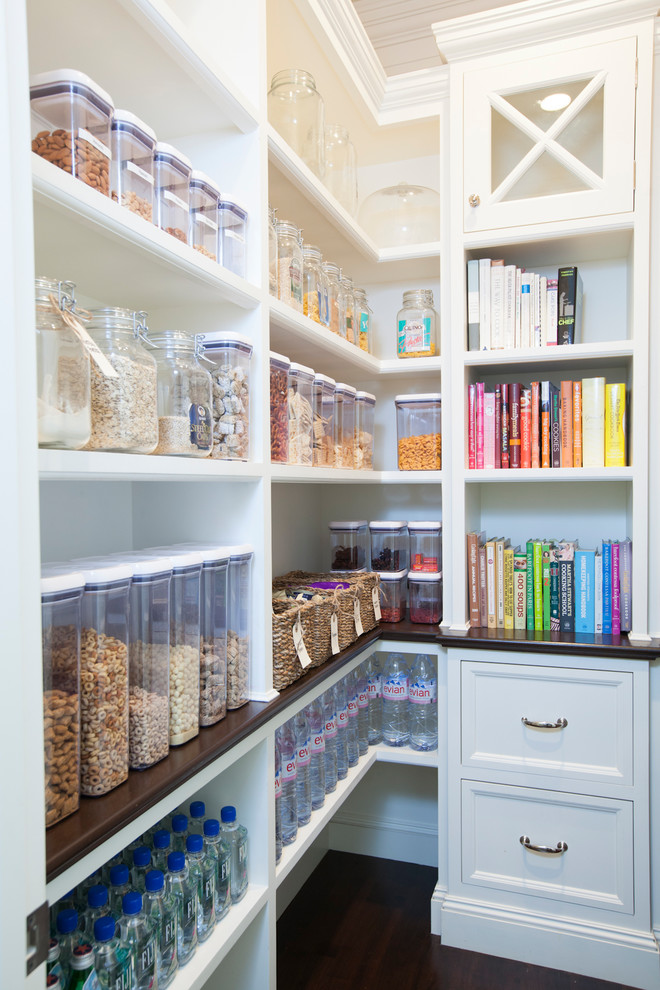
pixel 425 592
pixel 323 403
pixel 348 545
pixel 239 613
pixel 204 197
pixel 289 265
pixel 389 545
pixel 132 170
pixel 314 287
pixel 185 420
pixel 418 424
pixel 227 356
pixel 301 414
pixel 172 171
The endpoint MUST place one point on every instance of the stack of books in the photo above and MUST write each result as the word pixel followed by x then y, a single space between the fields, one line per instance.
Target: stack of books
pixel 576 424
pixel 550 585
pixel 509 307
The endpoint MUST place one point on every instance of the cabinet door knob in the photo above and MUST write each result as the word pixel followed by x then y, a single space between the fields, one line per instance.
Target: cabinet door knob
pixel 473 200
pixel 560 848
pixel 561 723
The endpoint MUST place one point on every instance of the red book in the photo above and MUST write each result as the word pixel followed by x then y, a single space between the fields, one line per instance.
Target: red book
pixel 514 423
pixel 498 426
pixel 536 424
pixel 526 427
pixel 567 424
pixel 479 453
pixel 472 427
pixel 505 425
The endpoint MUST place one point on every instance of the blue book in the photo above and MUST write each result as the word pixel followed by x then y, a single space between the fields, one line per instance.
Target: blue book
pixel 607 588
pixel 585 592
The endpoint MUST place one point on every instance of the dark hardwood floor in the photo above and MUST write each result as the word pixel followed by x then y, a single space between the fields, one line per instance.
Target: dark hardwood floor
pixel 361 923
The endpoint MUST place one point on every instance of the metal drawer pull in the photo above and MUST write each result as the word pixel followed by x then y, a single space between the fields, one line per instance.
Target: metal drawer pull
pixel 560 848
pixel 561 723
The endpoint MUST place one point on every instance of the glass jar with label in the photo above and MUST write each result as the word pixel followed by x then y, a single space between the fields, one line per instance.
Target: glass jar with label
pixel 362 319
pixel 132 169
pixel 124 410
pixel 347 308
pixel 272 251
pixel 344 425
pixel 289 265
pixel 172 170
pixel 331 272
pixel 314 289
pixel 365 409
pixel 417 325
pixel 185 418
pixel 204 197
pixel 296 111
pixel 63 369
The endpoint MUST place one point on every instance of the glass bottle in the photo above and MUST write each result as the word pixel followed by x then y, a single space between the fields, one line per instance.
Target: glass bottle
pixel 185 420
pixel 314 292
pixel 362 319
pixel 272 251
pixel 219 850
pixel 289 265
pixel 340 176
pixel 63 370
pixel 296 111
pixel 180 887
pixel 417 325
pixel 331 272
pixel 347 308
pixel 82 967
pixel 160 907
pixel 236 835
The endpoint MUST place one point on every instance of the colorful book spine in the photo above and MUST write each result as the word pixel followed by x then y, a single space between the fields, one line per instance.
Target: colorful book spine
pixel 551 317
pixel 519 590
pixel 554 591
pixel 497 305
pixel 514 425
pixel 529 584
pixel 526 309
pixel 489 430
pixel 500 546
pixel 545 424
pixel 498 427
pixel 473 304
pixel 577 424
pixel 484 304
pixel 607 588
pixel 536 424
pixel 479 452
pixel 491 584
pixel 565 554
pixel 525 428
pixel 504 456
pixel 472 426
pixel 509 306
pixel 584 591
pixel 508 587
pixel 569 304
pixel 555 427
pixel 598 594
pixel 566 424
pixel 625 580
pixel 545 564
pixel 616 590
pixel 593 422
pixel 483 587
pixel 473 540
pixel 615 425
pixel 538 585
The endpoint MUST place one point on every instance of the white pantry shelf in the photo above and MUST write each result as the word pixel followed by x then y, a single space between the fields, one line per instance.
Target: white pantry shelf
pixel 605 354
pixel 100 465
pixel 297 473
pixel 517 475
pixel 303 340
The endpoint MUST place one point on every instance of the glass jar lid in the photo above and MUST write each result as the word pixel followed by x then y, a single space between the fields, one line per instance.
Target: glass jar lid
pixel 286 227
pixel 178 340
pixel 419 296
pixel 293 78
pixel 311 251
pixel 65 292
pixel 118 318
pixel 331 269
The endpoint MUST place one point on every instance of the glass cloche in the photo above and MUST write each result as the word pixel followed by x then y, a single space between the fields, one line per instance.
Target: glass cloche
pixel 401 214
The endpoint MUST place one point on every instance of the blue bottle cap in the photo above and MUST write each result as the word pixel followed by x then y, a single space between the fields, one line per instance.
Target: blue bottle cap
pixel 161 839
pixel 67 921
pixel 179 823
pixel 197 809
pixel 176 862
pixel 97 895
pixel 228 813
pixel 119 875
pixel 131 903
pixel 194 843
pixel 154 880
pixel 211 826
pixel 141 856
pixel 104 928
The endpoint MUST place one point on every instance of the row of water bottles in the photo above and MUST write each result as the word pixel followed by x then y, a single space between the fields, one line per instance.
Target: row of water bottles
pixel 134 922
pixel 395 704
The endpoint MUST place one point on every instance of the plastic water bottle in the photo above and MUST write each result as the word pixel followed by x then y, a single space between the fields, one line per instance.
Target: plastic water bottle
pixel 80 896
pixel 179 832
pixel 363 711
pixel 119 885
pixel 82 976
pixel 341 708
pixel 236 836
pixel 330 725
pixel 112 959
pixel 314 714
pixel 53 981
pixel 423 704
pixel 202 872
pixel 184 893
pixel 219 850
pixel 97 906
pixel 68 936
pixel 289 800
pixel 352 738
pixel 141 866
pixel 375 695
pixel 161 908
pixel 395 700
pixel 303 761
pixel 162 848
pixel 197 817
pixel 53 964
pixel 68 901
pixel 278 801
pixel 138 934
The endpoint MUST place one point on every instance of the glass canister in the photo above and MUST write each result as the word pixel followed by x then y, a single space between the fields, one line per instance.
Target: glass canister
pixel 172 171
pixel 331 272
pixel 238 624
pixel 289 265
pixel 314 289
pixel 389 545
pixel 272 251
pixel 301 414
pixel 204 198
pixel 365 409
pixel 63 369
pixel 425 590
pixel 418 427
pixel 185 420
pixel 124 409
pixel 132 168
pixel 61 598
pixel 233 220
pixel 228 356
pixel 296 111
pixel 346 308
pixel 323 404
pixel 340 176
pixel 348 545
pixel 401 214
pixel 393 595
pixel 362 318
pixel 71 125
pixel 425 546
pixel 417 325
pixel 279 408
pixel 344 425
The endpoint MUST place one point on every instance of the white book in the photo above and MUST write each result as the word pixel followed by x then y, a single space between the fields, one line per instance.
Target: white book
pixel 593 422
pixel 484 304
pixel 497 307
pixel 473 305
pixel 518 307
pixel 526 309
pixel 536 311
pixel 598 594
pixel 543 309
pixel 509 306
pixel 551 313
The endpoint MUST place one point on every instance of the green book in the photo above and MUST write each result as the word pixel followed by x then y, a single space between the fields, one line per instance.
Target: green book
pixel 530 584
pixel 546 585
pixel 538 585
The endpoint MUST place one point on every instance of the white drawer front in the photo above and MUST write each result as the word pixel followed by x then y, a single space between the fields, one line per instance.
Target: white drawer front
pixel 596 743
pixel 595 870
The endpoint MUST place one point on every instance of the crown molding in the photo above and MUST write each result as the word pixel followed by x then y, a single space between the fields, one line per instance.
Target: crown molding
pixel 414 95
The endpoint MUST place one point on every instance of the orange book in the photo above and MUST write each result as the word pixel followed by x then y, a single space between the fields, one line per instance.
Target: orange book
pixel 545 424
pixel 577 424
pixel 525 428
pixel 567 424
pixel 536 424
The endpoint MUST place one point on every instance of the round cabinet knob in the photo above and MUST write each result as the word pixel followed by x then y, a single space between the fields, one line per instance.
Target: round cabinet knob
pixel 473 200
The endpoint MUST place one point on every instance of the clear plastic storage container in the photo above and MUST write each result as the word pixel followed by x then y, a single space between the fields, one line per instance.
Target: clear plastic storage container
pixel 340 172
pixel 289 265
pixel 344 425
pixel 71 125
pixel 333 289
pixel 362 318
pixel 314 287
pixel 172 171
pixel 393 595
pixel 279 408
pixel 418 427
pixel 296 111
pixel 365 409
pixel 63 375
pixel 389 545
pixel 348 545
pixel 204 198
pixel 132 169
pixel 185 418
pixel 232 221
pixel 323 403
pixel 401 214
pixel 61 600
pixel 238 624
pixel 425 546
pixel 228 356
pixel 301 414
pixel 417 325
pixel 425 590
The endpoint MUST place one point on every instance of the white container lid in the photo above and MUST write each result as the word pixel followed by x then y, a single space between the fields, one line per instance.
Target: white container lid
pixel 226 202
pixel 365 396
pixel 324 380
pixel 143 564
pixel 198 176
pixel 103 571
pixel 162 148
pixel 70 76
pixel 344 570
pixel 239 550
pixel 302 369
pixel 354 524
pixel 424 576
pixel 179 557
pixel 210 551
pixel 225 338
pixel 391 575
pixel 435 526
pixel 425 397
pixel 60 580
pixel 379 524
pixel 274 356
pixel 343 387
pixel 126 117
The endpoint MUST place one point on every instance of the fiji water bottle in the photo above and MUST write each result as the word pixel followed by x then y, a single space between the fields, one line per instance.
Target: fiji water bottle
pixel 363 711
pixel 80 897
pixel 119 885
pixel 82 976
pixel 184 893
pixel 341 708
pixel 53 964
pixel 289 800
pixel 68 936
pixel 236 836
pixel 303 761
pixel 196 817
pixel 375 696
pixel 278 801
pixel 68 901
pixel 314 714
pixel 202 872
pixel 162 849
pixel 97 906
pixel 220 852
pixel 138 934
pixel 179 832
pixel 395 700
pixel 423 704
pixel 352 743
pixel 160 907
pixel 141 866
pixel 330 732
pixel 112 959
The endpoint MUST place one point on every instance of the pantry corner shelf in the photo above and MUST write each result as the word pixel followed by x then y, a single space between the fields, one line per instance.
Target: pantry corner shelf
pixel 294 473
pixel 580 239
pixel 99 465
pixel 303 340
pixel 605 353
pixel 549 474
pixel 429 366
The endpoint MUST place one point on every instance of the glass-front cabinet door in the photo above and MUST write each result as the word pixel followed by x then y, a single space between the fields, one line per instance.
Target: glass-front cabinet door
pixel 550 137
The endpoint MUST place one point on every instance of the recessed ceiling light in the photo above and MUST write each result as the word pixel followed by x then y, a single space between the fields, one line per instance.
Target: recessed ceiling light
pixel 554 102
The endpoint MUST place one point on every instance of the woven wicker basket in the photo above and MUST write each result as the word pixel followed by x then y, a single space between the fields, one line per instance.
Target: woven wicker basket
pixel 286 665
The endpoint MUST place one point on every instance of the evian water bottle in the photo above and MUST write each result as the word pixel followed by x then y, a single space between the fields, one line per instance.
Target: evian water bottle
pixel 278 801
pixel 341 708
pixel 395 700
pixel 303 760
pixel 363 711
pixel 423 704
pixel 289 800
pixel 352 739
pixel 330 720
pixel 375 696
pixel 314 713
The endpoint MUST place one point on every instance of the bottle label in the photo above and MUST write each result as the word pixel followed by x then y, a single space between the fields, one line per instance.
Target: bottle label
pixel 424 692
pixel 374 687
pixel 278 785
pixel 188 908
pixel 121 980
pixel 289 771
pixel 242 852
pixel 414 336
pixel 303 756
pixel 352 707
pixel 144 961
pixel 342 718
pixel 317 743
pixel 201 427
pixel 331 727
pixel 208 891
pixel 168 934
pixel 363 699
pixel 395 689
pixel 91 982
